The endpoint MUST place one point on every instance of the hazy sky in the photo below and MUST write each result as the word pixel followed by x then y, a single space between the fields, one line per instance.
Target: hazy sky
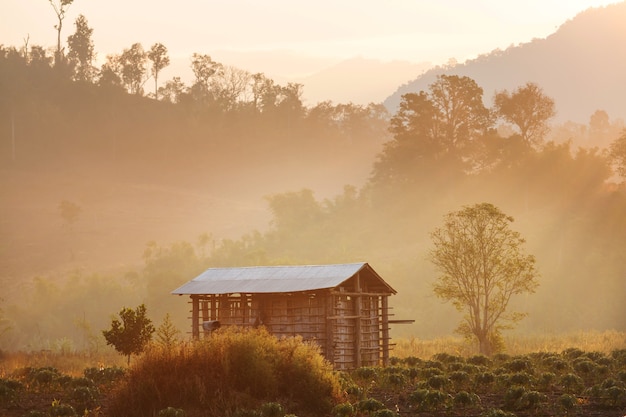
pixel 302 36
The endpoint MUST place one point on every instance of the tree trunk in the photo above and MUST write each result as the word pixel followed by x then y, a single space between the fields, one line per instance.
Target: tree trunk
pixel 484 344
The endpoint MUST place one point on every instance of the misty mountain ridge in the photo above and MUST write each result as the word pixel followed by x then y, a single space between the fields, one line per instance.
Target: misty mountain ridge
pixel 358 80
pixel 582 66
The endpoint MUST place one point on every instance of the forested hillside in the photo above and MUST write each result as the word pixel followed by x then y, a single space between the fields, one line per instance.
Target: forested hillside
pixel 115 194
pixel 581 65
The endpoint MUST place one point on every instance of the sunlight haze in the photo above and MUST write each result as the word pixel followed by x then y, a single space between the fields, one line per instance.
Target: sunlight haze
pixel 303 37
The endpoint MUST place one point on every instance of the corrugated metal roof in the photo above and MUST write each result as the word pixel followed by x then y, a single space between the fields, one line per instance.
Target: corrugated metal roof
pixel 272 279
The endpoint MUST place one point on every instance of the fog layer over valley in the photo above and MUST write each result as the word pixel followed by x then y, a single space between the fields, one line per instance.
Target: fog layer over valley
pixel 111 198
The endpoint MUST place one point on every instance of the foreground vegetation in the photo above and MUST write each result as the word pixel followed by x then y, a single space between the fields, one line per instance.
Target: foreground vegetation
pixel 252 374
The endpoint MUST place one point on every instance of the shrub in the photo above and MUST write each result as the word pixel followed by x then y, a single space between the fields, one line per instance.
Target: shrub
pixel 418 396
pixel 365 372
pixel 435 400
pixel 484 379
pixel 567 402
pixel 370 404
pixel 616 396
pixel 556 364
pixel 532 400
pixel 430 372
pixel 546 379
pixel 9 389
pixel 438 382
pixel 272 409
pixel 104 376
pixel 513 398
pixel 412 361
pixel 396 379
pixel 518 365
pixel 171 412
pixel 572 353
pixel 460 379
pixel 61 410
pixel 343 410
pixel 84 397
pixel 465 399
pixel 385 412
pixel 571 383
pixel 232 369
pixel 496 412
pixel 520 378
pixel 480 360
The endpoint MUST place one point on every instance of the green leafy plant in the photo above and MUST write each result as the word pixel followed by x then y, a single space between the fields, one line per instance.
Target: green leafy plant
pixel 131 335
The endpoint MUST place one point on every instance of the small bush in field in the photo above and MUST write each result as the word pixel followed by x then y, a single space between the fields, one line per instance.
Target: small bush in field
pixel 518 365
pixel 430 372
pixel 567 402
pixel 496 412
pixel 61 410
pixel 343 410
pixel 532 400
pixel 556 364
pixel 513 398
pixel 396 379
pixel 104 376
pixel 616 396
pixel 412 361
pixel 385 412
pixel 9 390
pixel 484 379
pixel 272 409
pixel 573 353
pixel 43 377
pixel 480 360
pixel 571 383
pixel 435 400
pixel 84 397
pixel 365 372
pixel 546 379
pixel 619 356
pixel 520 378
pixel 171 412
pixel 585 367
pixel 438 381
pixel 460 379
pixel 465 399
pixel 370 404
pixel 418 396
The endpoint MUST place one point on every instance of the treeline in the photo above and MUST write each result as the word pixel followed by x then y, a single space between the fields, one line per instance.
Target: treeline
pixel 61 108
pixel 443 149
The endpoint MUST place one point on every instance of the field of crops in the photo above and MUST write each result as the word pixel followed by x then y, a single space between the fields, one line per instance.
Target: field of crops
pixel 255 375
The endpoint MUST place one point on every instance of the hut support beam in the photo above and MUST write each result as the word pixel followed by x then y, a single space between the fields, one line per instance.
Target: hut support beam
pixel 385 328
pixel 357 328
pixel 195 317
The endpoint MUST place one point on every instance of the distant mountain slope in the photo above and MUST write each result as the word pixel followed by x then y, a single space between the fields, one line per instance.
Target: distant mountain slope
pixel 582 66
pixel 358 80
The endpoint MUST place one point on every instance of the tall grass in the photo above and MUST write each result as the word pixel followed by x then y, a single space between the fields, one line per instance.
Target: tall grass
pixel 588 341
pixel 72 364
pixel 231 373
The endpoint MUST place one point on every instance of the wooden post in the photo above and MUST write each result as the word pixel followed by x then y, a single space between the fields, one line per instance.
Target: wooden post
pixel 385 329
pixel 195 317
pixel 357 322
pixel 329 302
pixel 213 307
pixel 245 310
pixel 205 313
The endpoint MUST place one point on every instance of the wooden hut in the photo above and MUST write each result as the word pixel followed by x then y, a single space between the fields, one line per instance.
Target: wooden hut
pixel 343 308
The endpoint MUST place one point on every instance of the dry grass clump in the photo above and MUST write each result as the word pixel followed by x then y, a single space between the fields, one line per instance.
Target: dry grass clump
pixel 231 373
